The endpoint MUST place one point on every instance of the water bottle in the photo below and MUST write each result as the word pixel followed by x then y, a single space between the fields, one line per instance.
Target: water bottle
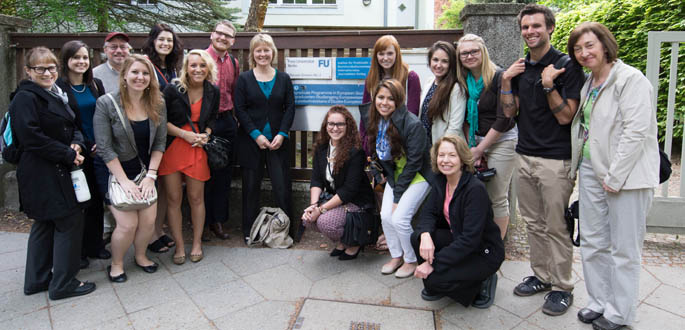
pixel 78 179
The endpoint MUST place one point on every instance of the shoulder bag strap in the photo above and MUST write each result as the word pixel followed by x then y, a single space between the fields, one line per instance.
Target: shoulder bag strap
pixel 131 138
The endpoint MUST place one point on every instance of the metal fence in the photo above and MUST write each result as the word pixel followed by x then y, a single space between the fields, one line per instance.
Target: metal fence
pixel 290 44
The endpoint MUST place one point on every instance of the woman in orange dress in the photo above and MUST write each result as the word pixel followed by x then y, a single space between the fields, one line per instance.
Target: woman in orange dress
pixel 191 98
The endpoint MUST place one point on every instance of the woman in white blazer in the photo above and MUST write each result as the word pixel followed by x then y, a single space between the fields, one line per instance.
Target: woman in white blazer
pixel 442 102
pixel 614 142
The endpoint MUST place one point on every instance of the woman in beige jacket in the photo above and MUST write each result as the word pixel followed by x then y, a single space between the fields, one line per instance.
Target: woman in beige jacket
pixel 614 139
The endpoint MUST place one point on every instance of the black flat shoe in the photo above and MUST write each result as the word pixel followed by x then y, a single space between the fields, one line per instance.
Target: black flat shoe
pixel 80 290
pixel 429 296
pixel 148 269
pixel 587 315
pixel 102 254
pixel 84 263
pixel 345 256
pixel 336 252
pixel 121 278
pixel 486 296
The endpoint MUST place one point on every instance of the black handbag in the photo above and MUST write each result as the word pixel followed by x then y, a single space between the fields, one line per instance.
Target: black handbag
pixel 361 228
pixel 218 149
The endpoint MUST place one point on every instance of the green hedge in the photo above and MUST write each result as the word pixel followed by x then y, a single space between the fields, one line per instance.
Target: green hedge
pixel 630 21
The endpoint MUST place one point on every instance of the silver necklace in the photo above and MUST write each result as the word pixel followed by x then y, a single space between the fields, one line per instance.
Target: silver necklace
pixel 78 91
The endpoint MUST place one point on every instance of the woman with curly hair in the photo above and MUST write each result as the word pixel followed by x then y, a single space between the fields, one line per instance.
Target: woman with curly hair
pixel 165 51
pixel 399 142
pixel 339 183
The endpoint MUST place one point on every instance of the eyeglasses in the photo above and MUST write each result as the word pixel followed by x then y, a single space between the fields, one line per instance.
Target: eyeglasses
pixel 225 35
pixel 42 69
pixel 334 124
pixel 115 47
pixel 465 55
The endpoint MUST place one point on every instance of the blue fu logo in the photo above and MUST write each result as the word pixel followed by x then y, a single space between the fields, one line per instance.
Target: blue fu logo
pixel 324 63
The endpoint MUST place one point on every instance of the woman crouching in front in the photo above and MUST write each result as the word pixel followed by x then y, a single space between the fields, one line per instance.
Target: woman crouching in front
pixel 458 244
pixel 339 183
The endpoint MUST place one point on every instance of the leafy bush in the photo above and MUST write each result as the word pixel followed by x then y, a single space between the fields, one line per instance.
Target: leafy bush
pixel 630 21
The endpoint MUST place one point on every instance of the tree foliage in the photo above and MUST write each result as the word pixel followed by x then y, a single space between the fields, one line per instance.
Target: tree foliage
pixel 125 15
pixel 630 21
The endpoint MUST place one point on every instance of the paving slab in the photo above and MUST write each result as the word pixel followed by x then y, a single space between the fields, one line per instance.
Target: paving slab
pixel 103 285
pixel 446 325
pixel 408 294
pixel 669 299
pixel 228 297
pixel 122 323
pixel 79 313
pixel 474 318
pixel 278 314
pixel 148 294
pixel 280 283
pixel 567 321
pixel 205 276
pixel 649 318
pixel 176 314
pixel 211 254
pixel 351 286
pixel 673 276
pixel 10 242
pixel 13 260
pixel 14 303
pixel 515 270
pixel 371 264
pixel 316 265
pixel 323 314
pixel 38 320
pixel 11 279
pixel 520 306
pixel 246 261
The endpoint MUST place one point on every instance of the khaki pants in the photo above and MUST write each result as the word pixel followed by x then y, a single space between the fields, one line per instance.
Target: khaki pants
pixel 543 192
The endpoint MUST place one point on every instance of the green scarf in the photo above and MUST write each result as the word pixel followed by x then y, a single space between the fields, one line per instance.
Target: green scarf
pixel 474 88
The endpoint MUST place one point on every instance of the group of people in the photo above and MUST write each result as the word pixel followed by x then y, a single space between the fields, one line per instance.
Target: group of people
pixel 542 118
pixel 146 113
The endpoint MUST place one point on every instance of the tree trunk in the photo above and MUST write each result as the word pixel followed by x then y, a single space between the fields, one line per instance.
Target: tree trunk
pixel 256 15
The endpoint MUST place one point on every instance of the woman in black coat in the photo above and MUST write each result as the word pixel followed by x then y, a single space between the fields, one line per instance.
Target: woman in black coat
pixel 339 183
pixel 47 134
pixel 192 97
pixel 458 243
pixel 265 106
pixel 83 90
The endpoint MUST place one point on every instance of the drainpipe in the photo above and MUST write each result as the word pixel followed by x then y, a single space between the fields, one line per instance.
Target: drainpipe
pixel 416 14
pixel 385 13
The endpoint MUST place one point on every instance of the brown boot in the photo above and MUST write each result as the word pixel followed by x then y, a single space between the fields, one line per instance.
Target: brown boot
pixel 218 230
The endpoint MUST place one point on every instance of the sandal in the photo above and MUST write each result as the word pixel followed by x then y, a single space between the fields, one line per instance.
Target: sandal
pixel 168 241
pixel 158 246
pixel 179 260
pixel 196 257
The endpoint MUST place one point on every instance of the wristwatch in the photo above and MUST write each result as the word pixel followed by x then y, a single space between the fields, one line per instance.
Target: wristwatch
pixel 322 210
pixel 548 90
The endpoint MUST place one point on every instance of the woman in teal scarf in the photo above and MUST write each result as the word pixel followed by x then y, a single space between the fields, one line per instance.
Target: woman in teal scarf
pixel 491 136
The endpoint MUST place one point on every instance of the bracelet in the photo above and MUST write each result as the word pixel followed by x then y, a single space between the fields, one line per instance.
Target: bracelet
pixel 152 169
pixel 505 92
pixel 559 107
pixel 151 176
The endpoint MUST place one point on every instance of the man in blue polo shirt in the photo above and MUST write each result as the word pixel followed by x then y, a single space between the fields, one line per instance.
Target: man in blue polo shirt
pixel 544 100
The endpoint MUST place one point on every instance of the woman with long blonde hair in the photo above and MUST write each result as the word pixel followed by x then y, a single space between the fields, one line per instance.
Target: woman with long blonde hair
pixel 142 106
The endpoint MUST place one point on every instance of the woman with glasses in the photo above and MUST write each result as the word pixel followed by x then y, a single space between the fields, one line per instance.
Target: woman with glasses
pixel 339 183
pixel 442 101
pixel 491 136
pixel 165 51
pixel 265 106
pixel 46 132
pixel 142 107
pixel 83 90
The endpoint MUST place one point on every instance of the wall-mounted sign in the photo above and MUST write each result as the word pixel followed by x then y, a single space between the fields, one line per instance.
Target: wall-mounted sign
pixel 352 67
pixel 328 94
pixel 309 67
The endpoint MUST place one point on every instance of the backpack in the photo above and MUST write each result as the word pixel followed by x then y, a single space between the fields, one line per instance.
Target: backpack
pixel 271 229
pixel 9 147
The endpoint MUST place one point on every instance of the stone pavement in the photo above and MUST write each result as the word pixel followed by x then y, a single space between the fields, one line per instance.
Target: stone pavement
pixel 242 288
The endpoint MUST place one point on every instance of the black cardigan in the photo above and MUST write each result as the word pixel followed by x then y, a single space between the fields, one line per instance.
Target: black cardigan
pixel 471 220
pixel 44 127
pixel 253 110
pixel 414 145
pixel 178 107
pixel 99 91
pixel 352 184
